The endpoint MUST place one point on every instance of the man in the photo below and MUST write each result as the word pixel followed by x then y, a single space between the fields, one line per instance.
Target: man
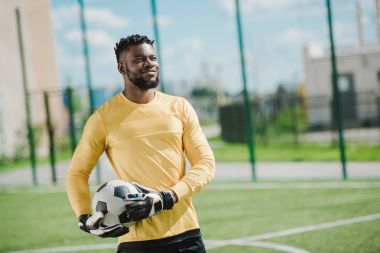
pixel 145 134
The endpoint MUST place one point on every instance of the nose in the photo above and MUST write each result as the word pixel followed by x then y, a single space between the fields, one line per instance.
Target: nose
pixel 150 63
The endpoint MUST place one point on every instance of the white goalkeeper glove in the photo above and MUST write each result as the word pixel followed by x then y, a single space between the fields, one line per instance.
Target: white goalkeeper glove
pixel 92 225
pixel 141 206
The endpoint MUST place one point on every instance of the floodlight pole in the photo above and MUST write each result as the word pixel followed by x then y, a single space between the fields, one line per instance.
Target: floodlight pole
pixel 157 40
pixel 336 94
pixel 86 55
pixel 32 151
pixel 87 70
pixel 249 118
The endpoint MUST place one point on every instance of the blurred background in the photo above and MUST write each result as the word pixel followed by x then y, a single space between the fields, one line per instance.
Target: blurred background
pixel 287 93
pixel 58 65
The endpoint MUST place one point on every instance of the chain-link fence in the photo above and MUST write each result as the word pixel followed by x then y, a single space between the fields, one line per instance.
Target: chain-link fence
pixel 58 118
pixel 290 118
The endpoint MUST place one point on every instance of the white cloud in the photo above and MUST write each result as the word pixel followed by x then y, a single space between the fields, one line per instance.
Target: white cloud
pixel 184 46
pixel 294 36
pixel 96 16
pixel 183 59
pixel 345 34
pixel 106 17
pixel 62 14
pixel 316 50
pixel 162 21
pixel 97 38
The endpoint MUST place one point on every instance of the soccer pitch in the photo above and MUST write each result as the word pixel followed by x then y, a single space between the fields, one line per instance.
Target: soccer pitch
pixel 234 217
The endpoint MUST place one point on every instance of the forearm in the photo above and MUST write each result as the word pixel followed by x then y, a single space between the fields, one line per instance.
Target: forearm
pixel 200 174
pixel 78 192
pixel 85 157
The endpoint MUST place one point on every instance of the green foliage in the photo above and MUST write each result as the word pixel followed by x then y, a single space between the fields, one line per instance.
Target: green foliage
pixel 204 91
pixel 288 121
pixel 271 119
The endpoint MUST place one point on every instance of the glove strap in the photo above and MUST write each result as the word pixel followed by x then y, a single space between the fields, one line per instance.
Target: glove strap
pixel 168 200
pixel 82 222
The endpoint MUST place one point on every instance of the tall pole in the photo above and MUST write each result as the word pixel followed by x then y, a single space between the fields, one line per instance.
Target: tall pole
pixel 50 130
pixel 377 14
pixel 336 94
pixel 249 118
pixel 86 56
pixel 359 24
pixel 157 39
pixel 32 152
pixel 87 70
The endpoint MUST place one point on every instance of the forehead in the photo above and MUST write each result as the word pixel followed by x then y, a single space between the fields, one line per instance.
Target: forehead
pixel 138 51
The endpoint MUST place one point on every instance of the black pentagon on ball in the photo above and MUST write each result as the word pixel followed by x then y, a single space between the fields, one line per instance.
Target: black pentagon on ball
pixel 120 191
pixel 101 207
pixel 123 217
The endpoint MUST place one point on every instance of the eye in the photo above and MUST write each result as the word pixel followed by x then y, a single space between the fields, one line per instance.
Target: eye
pixel 138 60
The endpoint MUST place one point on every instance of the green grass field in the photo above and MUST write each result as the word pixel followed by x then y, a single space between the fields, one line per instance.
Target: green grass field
pixel 227 152
pixel 31 219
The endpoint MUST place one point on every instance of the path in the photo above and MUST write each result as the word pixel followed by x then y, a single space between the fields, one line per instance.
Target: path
pixel 224 171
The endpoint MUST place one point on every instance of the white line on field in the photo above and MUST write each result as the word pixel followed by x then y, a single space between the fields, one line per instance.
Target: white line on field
pixel 71 248
pixel 276 246
pixel 299 230
pixel 212 244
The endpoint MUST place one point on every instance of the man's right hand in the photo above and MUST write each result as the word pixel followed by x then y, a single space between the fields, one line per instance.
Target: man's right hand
pixel 91 224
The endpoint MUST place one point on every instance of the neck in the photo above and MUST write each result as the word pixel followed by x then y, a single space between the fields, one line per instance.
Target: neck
pixel 137 95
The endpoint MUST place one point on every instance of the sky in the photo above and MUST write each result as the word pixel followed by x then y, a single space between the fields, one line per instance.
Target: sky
pixel 199 41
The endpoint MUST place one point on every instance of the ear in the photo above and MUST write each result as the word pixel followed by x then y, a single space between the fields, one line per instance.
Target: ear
pixel 121 68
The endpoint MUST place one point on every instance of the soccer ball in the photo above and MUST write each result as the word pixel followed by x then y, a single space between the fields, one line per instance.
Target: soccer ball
pixel 110 200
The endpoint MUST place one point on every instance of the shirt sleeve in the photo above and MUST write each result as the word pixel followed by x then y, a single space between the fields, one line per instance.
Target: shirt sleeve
pixel 198 152
pixel 85 157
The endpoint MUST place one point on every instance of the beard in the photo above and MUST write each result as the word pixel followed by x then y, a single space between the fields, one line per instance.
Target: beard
pixel 140 82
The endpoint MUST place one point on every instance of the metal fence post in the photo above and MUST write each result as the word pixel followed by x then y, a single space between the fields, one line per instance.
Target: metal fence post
pixel 336 93
pixel 50 130
pixel 32 151
pixel 73 139
pixel 248 105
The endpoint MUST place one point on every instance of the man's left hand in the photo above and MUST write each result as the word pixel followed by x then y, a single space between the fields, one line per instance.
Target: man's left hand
pixel 91 224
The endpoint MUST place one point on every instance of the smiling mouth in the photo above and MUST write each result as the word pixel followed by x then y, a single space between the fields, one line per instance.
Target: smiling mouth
pixel 149 71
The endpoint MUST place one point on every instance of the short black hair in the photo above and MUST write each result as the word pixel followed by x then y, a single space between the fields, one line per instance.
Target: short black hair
pixel 125 43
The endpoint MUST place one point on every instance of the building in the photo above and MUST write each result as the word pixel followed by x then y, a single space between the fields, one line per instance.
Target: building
pixel 41 73
pixel 358 83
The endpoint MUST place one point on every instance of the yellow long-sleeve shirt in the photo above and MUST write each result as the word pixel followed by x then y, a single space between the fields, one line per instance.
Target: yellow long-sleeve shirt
pixel 145 143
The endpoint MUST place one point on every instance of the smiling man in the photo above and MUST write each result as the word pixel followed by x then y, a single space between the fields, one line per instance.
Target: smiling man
pixel 145 134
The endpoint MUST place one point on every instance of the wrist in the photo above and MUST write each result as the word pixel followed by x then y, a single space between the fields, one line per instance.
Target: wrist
pixel 83 218
pixel 168 198
pixel 174 196
pixel 82 222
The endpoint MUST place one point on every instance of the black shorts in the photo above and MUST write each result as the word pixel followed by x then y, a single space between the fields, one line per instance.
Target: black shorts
pixel 187 242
